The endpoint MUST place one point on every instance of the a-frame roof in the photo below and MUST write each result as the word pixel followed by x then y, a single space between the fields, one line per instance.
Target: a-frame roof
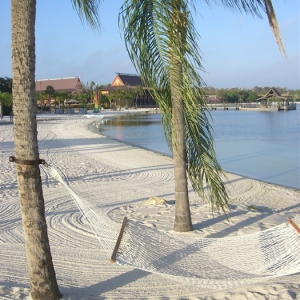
pixel 272 93
pixel 127 80
pixel 67 84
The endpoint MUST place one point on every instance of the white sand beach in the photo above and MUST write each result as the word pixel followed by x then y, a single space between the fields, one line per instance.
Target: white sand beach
pixel 117 179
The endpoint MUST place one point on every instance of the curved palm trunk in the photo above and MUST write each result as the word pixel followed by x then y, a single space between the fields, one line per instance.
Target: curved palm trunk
pixel 40 267
pixel 183 220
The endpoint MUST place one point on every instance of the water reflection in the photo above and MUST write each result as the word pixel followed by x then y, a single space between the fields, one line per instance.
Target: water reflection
pixel 144 131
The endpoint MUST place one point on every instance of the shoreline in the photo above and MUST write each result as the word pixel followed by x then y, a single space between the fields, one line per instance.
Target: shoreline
pixel 114 114
pixel 115 183
pixel 170 156
pixel 94 129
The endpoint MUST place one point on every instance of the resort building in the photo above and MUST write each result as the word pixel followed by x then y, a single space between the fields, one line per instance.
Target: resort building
pixel 212 99
pixel 67 84
pixel 273 99
pixel 130 81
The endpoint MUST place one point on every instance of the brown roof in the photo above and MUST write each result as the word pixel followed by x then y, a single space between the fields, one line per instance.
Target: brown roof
pixel 272 93
pixel 59 84
pixel 127 79
pixel 211 99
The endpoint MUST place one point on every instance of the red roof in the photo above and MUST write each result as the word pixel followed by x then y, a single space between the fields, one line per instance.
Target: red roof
pixel 67 84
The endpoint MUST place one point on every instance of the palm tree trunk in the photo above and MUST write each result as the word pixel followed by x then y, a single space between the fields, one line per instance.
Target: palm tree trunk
pixel 183 220
pixel 40 267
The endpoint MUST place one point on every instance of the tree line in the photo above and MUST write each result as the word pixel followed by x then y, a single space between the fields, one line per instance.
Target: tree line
pixel 209 90
pixel 234 95
pixel 84 93
pixel 126 96
pixel 119 97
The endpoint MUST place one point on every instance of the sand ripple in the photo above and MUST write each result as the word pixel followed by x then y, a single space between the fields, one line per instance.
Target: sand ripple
pixel 116 179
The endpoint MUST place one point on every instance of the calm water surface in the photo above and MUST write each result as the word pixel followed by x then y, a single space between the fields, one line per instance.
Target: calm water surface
pixel 260 145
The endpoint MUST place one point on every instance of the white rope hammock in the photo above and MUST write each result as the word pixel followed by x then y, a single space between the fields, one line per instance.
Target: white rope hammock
pixel 210 263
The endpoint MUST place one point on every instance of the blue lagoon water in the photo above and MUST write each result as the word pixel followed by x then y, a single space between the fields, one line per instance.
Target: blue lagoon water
pixel 260 145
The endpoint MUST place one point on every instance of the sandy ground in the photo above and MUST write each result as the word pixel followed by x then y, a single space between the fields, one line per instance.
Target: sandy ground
pixel 117 179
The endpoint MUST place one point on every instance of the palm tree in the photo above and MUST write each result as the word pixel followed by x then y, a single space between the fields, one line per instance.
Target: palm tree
pixel 6 102
pixel 162 43
pixel 139 91
pixel 50 92
pixel 114 96
pixel 42 276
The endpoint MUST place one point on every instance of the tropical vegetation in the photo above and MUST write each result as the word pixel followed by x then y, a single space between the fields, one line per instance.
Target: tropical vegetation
pixel 5 95
pixel 6 103
pixel 124 96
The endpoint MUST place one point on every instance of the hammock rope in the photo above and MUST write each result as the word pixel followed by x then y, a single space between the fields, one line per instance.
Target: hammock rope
pixel 210 263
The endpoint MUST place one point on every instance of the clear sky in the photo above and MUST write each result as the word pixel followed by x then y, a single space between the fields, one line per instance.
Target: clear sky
pixel 237 49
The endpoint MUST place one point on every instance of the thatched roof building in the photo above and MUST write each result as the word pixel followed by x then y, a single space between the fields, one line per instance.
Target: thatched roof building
pixel 273 97
pixel 123 80
pixel 272 94
pixel 130 81
pixel 212 99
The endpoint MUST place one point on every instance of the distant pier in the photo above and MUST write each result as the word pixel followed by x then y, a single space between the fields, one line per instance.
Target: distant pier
pixel 271 101
pixel 253 106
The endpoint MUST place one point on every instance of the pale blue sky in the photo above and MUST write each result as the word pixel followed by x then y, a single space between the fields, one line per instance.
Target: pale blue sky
pixel 237 50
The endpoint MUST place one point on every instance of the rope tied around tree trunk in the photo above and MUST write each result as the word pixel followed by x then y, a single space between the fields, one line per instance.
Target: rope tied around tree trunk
pixel 28 162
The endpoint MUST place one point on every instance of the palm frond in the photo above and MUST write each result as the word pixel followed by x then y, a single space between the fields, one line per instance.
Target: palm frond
pixel 252 7
pixel 274 25
pixel 88 11
pixel 151 40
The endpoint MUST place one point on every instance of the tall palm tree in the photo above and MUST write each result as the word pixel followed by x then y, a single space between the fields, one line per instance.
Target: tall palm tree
pixel 162 43
pixel 42 276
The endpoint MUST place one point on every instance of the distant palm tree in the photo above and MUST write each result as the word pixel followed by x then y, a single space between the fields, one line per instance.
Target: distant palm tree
pixel 50 92
pixel 139 92
pixel 42 276
pixel 162 43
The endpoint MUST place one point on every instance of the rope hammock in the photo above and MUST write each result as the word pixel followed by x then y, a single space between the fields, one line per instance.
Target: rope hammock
pixel 210 263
